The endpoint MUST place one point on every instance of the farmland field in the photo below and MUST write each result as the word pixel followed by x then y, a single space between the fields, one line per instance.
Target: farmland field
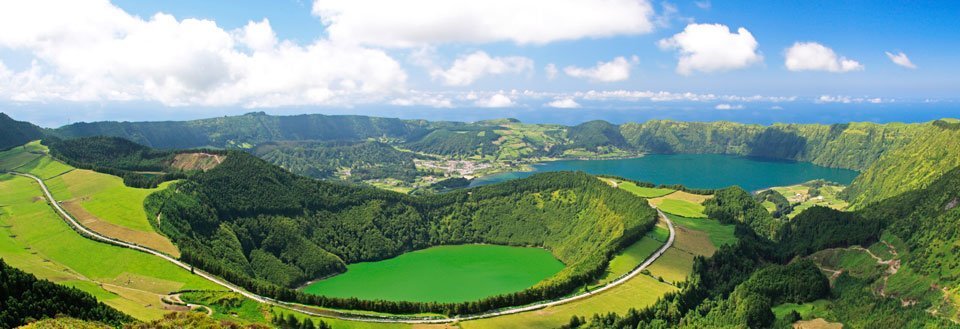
pixel 443 274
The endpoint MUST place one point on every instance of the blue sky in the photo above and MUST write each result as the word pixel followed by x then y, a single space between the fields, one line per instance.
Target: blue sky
pixel 84 60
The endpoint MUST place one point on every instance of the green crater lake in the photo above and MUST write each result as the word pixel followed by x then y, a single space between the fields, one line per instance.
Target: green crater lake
pixel 693 170
pixel 443 274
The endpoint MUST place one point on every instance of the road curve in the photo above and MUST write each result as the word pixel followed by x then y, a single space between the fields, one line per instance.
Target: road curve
pixel 230 286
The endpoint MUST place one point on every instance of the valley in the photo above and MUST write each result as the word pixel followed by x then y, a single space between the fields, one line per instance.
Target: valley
pixel 423 265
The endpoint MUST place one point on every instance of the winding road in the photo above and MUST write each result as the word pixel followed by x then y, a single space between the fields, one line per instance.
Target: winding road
pixel 293 307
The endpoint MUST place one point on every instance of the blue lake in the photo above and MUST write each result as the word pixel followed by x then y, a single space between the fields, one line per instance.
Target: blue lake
pixel 693 170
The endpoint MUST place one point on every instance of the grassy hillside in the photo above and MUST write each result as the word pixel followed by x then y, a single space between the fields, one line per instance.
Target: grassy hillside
pixel 261 226
pixel 35 239
pixel 25 298
pixel 928 156
pixel 15 133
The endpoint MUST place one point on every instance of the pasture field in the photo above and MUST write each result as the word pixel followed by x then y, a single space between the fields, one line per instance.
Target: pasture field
pixel 719 234
pixel 681 203
pixel 638 292
pixel 645 192
pixel 443 274
pixel 104 204
pixel 35 239
pixel 632 256
pixel 21 155
pixel 45 167
pixel 680 208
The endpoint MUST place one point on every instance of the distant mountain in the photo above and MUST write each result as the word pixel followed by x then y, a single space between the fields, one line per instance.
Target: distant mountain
pixel 16 133
pixel 248 130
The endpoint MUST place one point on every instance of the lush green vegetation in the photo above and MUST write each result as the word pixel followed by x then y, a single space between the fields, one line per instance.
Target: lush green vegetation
pixel 819 228
pixel 457 143
pixel 34 239
pixel 138 165
pixel 15 133
pixel 248 130
pixel 929 155
pixel 352 161
pixel 782 207
pixel 265 228
pixel 24 298
pixel 734 205
pixel 443 274
pixel 719 234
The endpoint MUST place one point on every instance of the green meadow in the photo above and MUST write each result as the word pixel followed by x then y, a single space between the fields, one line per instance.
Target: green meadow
pixel 718 233
pixel 33 238
pixel 443 274
pixel 644 192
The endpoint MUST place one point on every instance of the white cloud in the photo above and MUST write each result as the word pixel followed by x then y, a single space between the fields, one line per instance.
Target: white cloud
pixel 901 59
pixel 551 71
pixel 497 100
pixel 666 96
pixel 468 68
pixel 90 50
pixel 703 4
pixel 416 98
pixel 728 107
pixel 412 23
pixel 850 100
pixel 616 70
pixel 565 103
pixel 712 47
pixel 812 56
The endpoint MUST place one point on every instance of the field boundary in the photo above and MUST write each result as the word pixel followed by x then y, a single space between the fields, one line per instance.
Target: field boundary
pixel 83 231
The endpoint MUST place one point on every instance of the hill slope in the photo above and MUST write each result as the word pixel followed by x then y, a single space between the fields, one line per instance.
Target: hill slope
pixel 933 152
pixel 16 133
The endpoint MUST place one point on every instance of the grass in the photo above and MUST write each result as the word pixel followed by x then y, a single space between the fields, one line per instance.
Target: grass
pixel 681 203
pixel 343 324
pixel 644 192
pixel 638 292
pixel 33 238
pixel 673 266
pixel 443 274
pixel 21 155
pixel 719 234
pixel 681 208
pixel 854 262
pixel 630 258
pixel 45 167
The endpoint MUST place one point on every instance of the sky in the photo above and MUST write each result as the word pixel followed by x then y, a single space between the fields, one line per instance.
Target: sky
pixel 557 61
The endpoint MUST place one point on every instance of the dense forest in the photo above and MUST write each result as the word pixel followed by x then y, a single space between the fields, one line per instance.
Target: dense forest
pixel 362 160
pixel 138 165
pixel 15 133
pixel 738 285
pixel 457 143
pixel 270 230
pixel 24 299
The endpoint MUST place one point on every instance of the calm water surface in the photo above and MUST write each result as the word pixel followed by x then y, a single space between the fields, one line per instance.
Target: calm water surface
pixel 694 170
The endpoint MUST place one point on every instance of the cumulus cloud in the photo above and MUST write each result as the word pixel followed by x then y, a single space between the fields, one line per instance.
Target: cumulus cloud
pixel 469 68
pixel 901 59
pixel 812 56
pixel 551 71
pixel 616 70
pixel 388 22
pixel 565 103
pixel 712 48
pixel 90 50
pixel 496 100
